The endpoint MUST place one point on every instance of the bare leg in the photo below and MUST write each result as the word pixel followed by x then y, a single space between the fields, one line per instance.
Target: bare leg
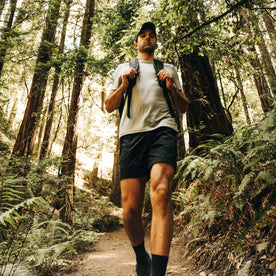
pixel 162 216
pixel 133 191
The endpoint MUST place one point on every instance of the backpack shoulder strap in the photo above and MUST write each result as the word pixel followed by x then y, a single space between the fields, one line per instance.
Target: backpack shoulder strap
pixel 158 66
pixel 134 64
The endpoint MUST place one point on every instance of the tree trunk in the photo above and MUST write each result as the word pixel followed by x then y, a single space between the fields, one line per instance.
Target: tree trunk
pixel 2 6
pixel 244 101
pixel 6 33
pixel 116 189
pixel 261 85
pixel 269 26
pixel 205 115
pixel 259 79
pixel 67 171
pixel 222 90
pixel 13 113
pixel 25 139
pixel 51 108
pixel 181 151
pixel 266 58
pixel 55 134
pixel 21 12
pixel 39 136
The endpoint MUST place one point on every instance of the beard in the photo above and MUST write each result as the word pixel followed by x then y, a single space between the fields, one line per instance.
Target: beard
pixel 149 49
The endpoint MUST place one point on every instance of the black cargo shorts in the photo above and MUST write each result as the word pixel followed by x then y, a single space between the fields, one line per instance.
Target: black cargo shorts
pixel 139 151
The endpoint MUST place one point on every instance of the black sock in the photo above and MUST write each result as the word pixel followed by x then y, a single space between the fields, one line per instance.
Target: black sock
pixel 159 265
pixel 141 253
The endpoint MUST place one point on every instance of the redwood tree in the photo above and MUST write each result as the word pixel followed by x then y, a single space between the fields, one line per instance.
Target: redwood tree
pixel 265 55
pixel 5 34
pixel 205 115
pixel 66 191
pixel 51 108
pixel 258 75
pixel 26 136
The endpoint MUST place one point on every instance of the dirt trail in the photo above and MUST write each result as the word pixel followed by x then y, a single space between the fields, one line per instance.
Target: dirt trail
pixel 113 256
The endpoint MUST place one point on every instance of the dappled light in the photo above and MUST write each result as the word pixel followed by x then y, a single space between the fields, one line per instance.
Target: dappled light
pixel 203 83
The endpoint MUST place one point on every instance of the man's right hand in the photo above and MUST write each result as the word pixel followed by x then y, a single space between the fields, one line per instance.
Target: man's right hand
pixel 129 74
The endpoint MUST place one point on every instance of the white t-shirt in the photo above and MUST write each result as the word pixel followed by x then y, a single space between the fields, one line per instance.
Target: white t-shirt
pixel 148 108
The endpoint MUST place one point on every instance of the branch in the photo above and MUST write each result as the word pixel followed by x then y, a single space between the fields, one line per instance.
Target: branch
pixel 233 99
pixel 215 19
pixel 270 15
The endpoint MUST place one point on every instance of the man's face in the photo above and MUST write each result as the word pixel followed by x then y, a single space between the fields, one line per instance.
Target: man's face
pixel 146 42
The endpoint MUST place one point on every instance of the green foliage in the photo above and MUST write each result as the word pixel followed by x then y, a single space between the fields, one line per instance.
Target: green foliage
pixel 118 38
pixel 245 270
pixel 12 216
pixel 15 270
pixel 44 245
pixel 100 217
pixel 230 191
pixel 28 235
pixel 50 242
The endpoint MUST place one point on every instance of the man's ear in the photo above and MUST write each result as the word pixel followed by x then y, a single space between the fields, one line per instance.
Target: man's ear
pixel 156 46
pixel 135 45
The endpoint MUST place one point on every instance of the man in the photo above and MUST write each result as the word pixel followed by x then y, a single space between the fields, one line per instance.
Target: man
pixel 148 149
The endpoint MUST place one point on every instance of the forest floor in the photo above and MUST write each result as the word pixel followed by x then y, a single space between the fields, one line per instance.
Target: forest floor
pixel 113 256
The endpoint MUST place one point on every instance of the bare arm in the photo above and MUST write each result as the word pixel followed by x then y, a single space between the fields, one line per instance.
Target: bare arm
pixel 114 99
pixel 179 99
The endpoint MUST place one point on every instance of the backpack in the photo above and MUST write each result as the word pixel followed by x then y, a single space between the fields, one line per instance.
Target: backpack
pixel 158 66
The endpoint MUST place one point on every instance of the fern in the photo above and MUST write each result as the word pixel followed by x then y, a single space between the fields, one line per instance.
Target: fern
pixel 246 180
pixel 50 240
pixel 266 177
pixel 52 253
pixel 10 192
pixel 15 270
pixel 262 246
pixel 230 192
pixel 12 215
pixel 245 270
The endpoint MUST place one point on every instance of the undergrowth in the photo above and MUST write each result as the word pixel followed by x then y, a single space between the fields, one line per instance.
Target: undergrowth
pixel 226 200
pixel 33 241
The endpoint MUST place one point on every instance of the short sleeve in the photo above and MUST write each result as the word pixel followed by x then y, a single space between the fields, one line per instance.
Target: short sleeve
pixel 117 77
pixel 173 71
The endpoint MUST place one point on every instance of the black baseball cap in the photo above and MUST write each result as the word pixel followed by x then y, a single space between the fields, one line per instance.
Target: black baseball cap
pixel 147 26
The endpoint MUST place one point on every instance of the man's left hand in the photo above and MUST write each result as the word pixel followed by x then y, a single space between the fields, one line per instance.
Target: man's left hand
pixel 165 75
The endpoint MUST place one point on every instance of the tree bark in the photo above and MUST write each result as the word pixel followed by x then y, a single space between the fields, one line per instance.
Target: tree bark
pixel 67 171
pixel 205 115
pixel 21 12
pixel 266 58
pixel 25 139
pixel 181 151
pixel 2 6
pixel 269 26
pixel 39 136
pixel 13 112
pixel 51 108
pixel 261 85
pixel 6 33
pixel 244 101
pixel 259 78
pixel 116 189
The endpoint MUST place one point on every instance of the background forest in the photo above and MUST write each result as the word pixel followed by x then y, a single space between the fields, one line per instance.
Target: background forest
pixel 59 182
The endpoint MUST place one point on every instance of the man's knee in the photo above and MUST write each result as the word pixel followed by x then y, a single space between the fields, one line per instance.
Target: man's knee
pixel 131 213
pixel 161 198
pixel 160 192
pixel 131 208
